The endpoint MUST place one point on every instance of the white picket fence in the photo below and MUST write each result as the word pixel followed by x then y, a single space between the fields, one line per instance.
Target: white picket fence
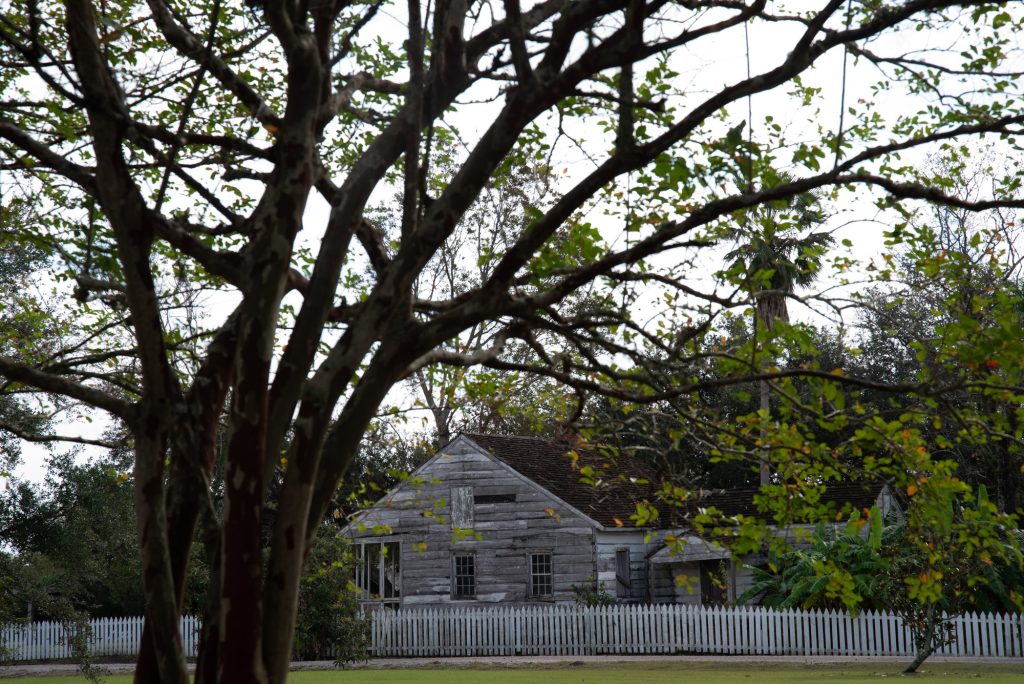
pixel 639 629
pixel 110 637
pixel 575 630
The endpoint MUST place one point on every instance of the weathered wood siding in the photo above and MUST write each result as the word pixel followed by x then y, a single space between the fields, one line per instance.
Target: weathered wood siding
pixel 609 542
pixel 504 533
pixel 744 576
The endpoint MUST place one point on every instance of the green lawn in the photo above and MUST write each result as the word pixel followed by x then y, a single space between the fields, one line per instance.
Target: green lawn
pixel 640 673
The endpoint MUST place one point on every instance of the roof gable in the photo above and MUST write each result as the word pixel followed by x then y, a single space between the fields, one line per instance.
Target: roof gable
pixel 462 449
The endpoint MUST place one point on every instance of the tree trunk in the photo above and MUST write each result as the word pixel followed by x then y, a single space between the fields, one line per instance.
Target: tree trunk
pixel 288 547
pixel 925 641
pixel 181 523
pixel 158 581
pixel 922 655
pixel 209 638
pixel 765 407
pixel 763 315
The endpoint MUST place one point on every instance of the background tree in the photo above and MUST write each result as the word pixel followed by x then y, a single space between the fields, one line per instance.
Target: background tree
pixel 951 578
pixel 956 274
pixel 230 150
pixel 775 256
pixel 384 457
pixel 22 320
pixel 74 535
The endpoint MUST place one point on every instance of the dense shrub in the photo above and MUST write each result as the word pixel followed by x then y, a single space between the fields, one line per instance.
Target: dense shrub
pixel 329 622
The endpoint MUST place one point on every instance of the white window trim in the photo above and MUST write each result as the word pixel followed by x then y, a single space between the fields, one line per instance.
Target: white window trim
pixel 454 596
pixel 530 574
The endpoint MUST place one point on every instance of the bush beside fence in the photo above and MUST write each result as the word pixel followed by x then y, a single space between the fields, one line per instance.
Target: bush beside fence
pixel 578 630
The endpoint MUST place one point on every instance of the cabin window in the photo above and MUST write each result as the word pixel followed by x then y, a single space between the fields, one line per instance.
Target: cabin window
pixel 541 576
pixel 463 576
pixel 462 508
pixel 379 571
pixel 622 573
pixel 712 583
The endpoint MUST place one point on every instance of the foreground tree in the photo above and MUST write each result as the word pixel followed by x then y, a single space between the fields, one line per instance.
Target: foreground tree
pixel 868 566
pixel 910 329
pixel 20 320
pixel 179 150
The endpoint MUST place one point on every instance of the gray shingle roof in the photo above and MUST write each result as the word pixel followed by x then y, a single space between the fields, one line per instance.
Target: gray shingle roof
pixel 623 482
pixel 740 501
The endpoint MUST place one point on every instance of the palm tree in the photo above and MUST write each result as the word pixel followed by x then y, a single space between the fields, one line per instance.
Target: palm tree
pixel 775 256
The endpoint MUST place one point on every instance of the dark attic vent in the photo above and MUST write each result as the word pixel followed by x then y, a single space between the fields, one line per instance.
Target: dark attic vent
pixel 494 498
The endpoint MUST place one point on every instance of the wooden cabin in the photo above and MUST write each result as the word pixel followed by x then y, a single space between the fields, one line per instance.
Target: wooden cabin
pixel 495 519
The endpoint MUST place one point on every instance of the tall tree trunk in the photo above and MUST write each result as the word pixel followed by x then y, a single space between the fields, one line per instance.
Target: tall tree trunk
pixel 764 318
pixel 158 581
pixel 765 408
pixel 209 638
pixel 183 508
pixel 288 546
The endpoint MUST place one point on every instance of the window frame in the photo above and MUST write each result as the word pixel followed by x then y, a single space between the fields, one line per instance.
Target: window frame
pixel 456 594
pixel 531 575
pixel 461 508
pixel 493 499
pixel 381 569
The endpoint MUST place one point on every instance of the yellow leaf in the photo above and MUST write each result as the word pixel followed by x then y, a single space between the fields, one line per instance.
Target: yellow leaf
pixel 911 490
pixel 112 36
pixel 618 523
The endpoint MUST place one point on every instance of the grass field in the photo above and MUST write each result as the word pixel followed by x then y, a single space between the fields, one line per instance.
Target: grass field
pixel 640 674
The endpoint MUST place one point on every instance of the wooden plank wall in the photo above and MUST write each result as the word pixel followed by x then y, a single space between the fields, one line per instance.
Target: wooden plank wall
pixel 639 546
